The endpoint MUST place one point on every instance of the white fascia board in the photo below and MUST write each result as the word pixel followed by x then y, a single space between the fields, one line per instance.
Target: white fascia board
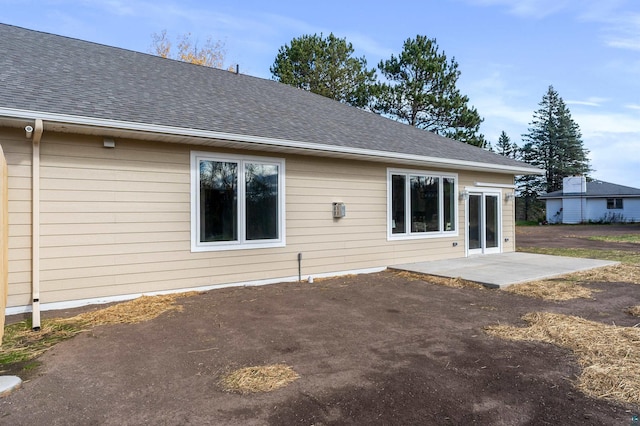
pixel 495 185
pixel 259 140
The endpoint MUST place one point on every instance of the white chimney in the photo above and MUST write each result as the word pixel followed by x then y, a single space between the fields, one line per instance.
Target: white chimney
pixel 574 185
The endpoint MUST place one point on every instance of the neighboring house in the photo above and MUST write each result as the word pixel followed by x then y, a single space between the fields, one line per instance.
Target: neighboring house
pixel 596 201
pixel 139 174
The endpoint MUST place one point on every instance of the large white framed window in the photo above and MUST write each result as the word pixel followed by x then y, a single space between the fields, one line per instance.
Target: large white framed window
pixel 237 202
pixel 421 204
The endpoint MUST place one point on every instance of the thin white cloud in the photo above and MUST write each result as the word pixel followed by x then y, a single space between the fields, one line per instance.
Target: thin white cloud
pixel 611 139
pixel 614 123
pixel 607 161
pixel 171 13
pixel 592 101
pixel 618 20
pixel 630 43
pixel 605 135
pixel 535 9
pixel 493 98
pixel 112 7
pixel 623 30
pixel 620 25
pixel 122 8
pixel 286 24
pixel 370 48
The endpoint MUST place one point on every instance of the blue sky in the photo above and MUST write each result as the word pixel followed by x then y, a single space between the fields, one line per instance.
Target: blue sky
pixel 508 51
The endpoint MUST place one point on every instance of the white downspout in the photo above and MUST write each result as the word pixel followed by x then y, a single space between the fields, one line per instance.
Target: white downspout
pixel 35 224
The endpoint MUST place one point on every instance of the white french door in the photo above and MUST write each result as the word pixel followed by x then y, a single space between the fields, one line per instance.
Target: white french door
pixel 483 223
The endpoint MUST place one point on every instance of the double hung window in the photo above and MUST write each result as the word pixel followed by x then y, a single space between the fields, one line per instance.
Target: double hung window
pixel 421 204
pixel 237 202
pixel 614 203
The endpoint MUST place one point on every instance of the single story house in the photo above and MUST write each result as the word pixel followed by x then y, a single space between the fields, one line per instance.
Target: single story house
pixel 132 174
pixel 580 201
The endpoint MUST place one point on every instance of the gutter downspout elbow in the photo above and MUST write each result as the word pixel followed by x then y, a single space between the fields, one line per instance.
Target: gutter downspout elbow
pixel 35 224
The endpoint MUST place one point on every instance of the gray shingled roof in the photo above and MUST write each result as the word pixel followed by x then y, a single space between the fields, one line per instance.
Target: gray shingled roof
pixel 598 189
pixel 54 74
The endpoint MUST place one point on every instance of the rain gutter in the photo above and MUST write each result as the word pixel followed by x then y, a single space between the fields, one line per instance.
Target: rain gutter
pixel 35 223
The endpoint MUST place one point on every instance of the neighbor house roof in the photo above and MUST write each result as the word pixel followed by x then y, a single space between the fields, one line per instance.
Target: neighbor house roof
pixel 597 189
pixel 84 87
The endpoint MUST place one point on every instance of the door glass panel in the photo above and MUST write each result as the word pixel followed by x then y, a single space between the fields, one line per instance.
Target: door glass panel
pixel 491 219
pixel 475 220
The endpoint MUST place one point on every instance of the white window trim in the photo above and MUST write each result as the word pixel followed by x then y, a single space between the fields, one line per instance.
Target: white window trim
pixel 241 244
pixel 615 199
pixel 494 191
pixel 408 235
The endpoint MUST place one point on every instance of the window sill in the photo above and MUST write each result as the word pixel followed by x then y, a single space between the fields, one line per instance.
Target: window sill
pixel 425 236
pixel 195 248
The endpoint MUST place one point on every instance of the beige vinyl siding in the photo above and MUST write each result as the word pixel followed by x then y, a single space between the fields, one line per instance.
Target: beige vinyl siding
pixel 508 219
pixel 358 240
pixel 117 221
pixel 103 208
pixel 17 150
pixel 352 242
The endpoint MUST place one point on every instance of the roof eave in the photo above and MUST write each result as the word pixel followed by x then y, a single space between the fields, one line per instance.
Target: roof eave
pixel 559 197
pixel 115 128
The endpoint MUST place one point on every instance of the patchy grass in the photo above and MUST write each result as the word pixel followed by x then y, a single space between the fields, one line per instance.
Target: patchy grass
pixel 259 379
pixel 627 238
pixel 634 310
pixel 527 223
pixel 21 343
pixel 609 355
pixel 615 255
pixel 621 273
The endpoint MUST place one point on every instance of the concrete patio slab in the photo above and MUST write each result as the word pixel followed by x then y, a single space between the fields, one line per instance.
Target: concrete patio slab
pixel 8 384
pixel 504 269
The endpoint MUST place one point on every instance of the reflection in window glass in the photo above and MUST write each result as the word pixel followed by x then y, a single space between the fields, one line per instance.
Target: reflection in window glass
pixel 449 201
pixel 261 195
pixel 424 204
pixel 398 204
pixel 237 202
pixel 491 219
pixel 421 204
pixel 218 201
pixel 475 221
pixel 614 203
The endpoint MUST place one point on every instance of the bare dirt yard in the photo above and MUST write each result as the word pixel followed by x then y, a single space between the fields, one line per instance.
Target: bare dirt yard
pixel 385 348
pixel 578 236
